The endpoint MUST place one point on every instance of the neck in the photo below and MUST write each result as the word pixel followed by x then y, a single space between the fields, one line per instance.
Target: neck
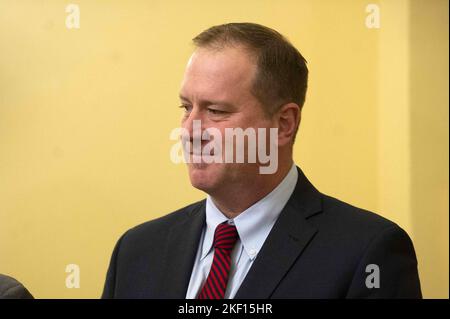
pixel 233 202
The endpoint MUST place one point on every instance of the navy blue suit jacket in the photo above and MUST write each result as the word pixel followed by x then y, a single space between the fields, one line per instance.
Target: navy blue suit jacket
pixel 319 247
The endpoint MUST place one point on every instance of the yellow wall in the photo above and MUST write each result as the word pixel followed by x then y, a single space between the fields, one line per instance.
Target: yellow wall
pixel 85 117
pixel 429 142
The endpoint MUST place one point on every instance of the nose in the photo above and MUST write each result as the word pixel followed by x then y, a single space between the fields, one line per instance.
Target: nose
pixel 193 123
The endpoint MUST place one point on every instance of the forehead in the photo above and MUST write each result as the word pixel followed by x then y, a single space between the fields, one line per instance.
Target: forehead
pixel 218 74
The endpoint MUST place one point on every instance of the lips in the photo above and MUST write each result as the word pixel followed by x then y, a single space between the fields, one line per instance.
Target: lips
pixel 200 152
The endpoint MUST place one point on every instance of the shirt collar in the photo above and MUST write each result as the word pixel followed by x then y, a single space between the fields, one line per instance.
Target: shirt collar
pixel 253 224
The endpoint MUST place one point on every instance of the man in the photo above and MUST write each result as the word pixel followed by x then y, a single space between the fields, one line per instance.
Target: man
pixel 257 235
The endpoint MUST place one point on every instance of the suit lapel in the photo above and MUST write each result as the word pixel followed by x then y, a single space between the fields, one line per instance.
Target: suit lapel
pixel 286 241
pixel 181 249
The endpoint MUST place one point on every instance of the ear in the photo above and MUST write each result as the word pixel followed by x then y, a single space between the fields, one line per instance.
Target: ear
pixel 288 121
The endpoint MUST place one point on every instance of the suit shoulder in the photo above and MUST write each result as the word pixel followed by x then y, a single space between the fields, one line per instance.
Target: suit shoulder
pixel 163 223
pixel 154 230
pixel 10 288
pixel 343 215
pixel 348 231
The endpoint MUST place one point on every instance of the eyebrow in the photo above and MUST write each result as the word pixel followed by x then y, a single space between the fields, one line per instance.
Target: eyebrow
pixel 209 102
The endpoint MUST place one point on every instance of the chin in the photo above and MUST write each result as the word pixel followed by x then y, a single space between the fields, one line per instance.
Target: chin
pixel 204 177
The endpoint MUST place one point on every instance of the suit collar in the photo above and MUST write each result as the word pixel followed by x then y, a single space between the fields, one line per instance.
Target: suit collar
pixel 306 199
pixel 285 243
pixel 254 223
pixel 180 252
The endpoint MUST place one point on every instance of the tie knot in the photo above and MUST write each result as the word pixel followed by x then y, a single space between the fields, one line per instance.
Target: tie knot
pixel 225 236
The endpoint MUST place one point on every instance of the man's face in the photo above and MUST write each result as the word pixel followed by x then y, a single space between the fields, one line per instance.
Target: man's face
pixel 216 90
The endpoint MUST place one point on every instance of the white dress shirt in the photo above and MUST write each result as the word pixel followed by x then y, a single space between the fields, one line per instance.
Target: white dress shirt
pixel 253 226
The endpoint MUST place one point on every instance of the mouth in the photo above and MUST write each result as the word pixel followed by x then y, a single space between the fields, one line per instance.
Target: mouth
pixel 199 160
pixel 201 153
pixel 195 154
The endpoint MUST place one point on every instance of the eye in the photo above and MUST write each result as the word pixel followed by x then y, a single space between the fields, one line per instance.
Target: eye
pixel 216 112
pixel 187 108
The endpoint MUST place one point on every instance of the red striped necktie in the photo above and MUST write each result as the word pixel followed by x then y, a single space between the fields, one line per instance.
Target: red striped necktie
pixel 215 285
